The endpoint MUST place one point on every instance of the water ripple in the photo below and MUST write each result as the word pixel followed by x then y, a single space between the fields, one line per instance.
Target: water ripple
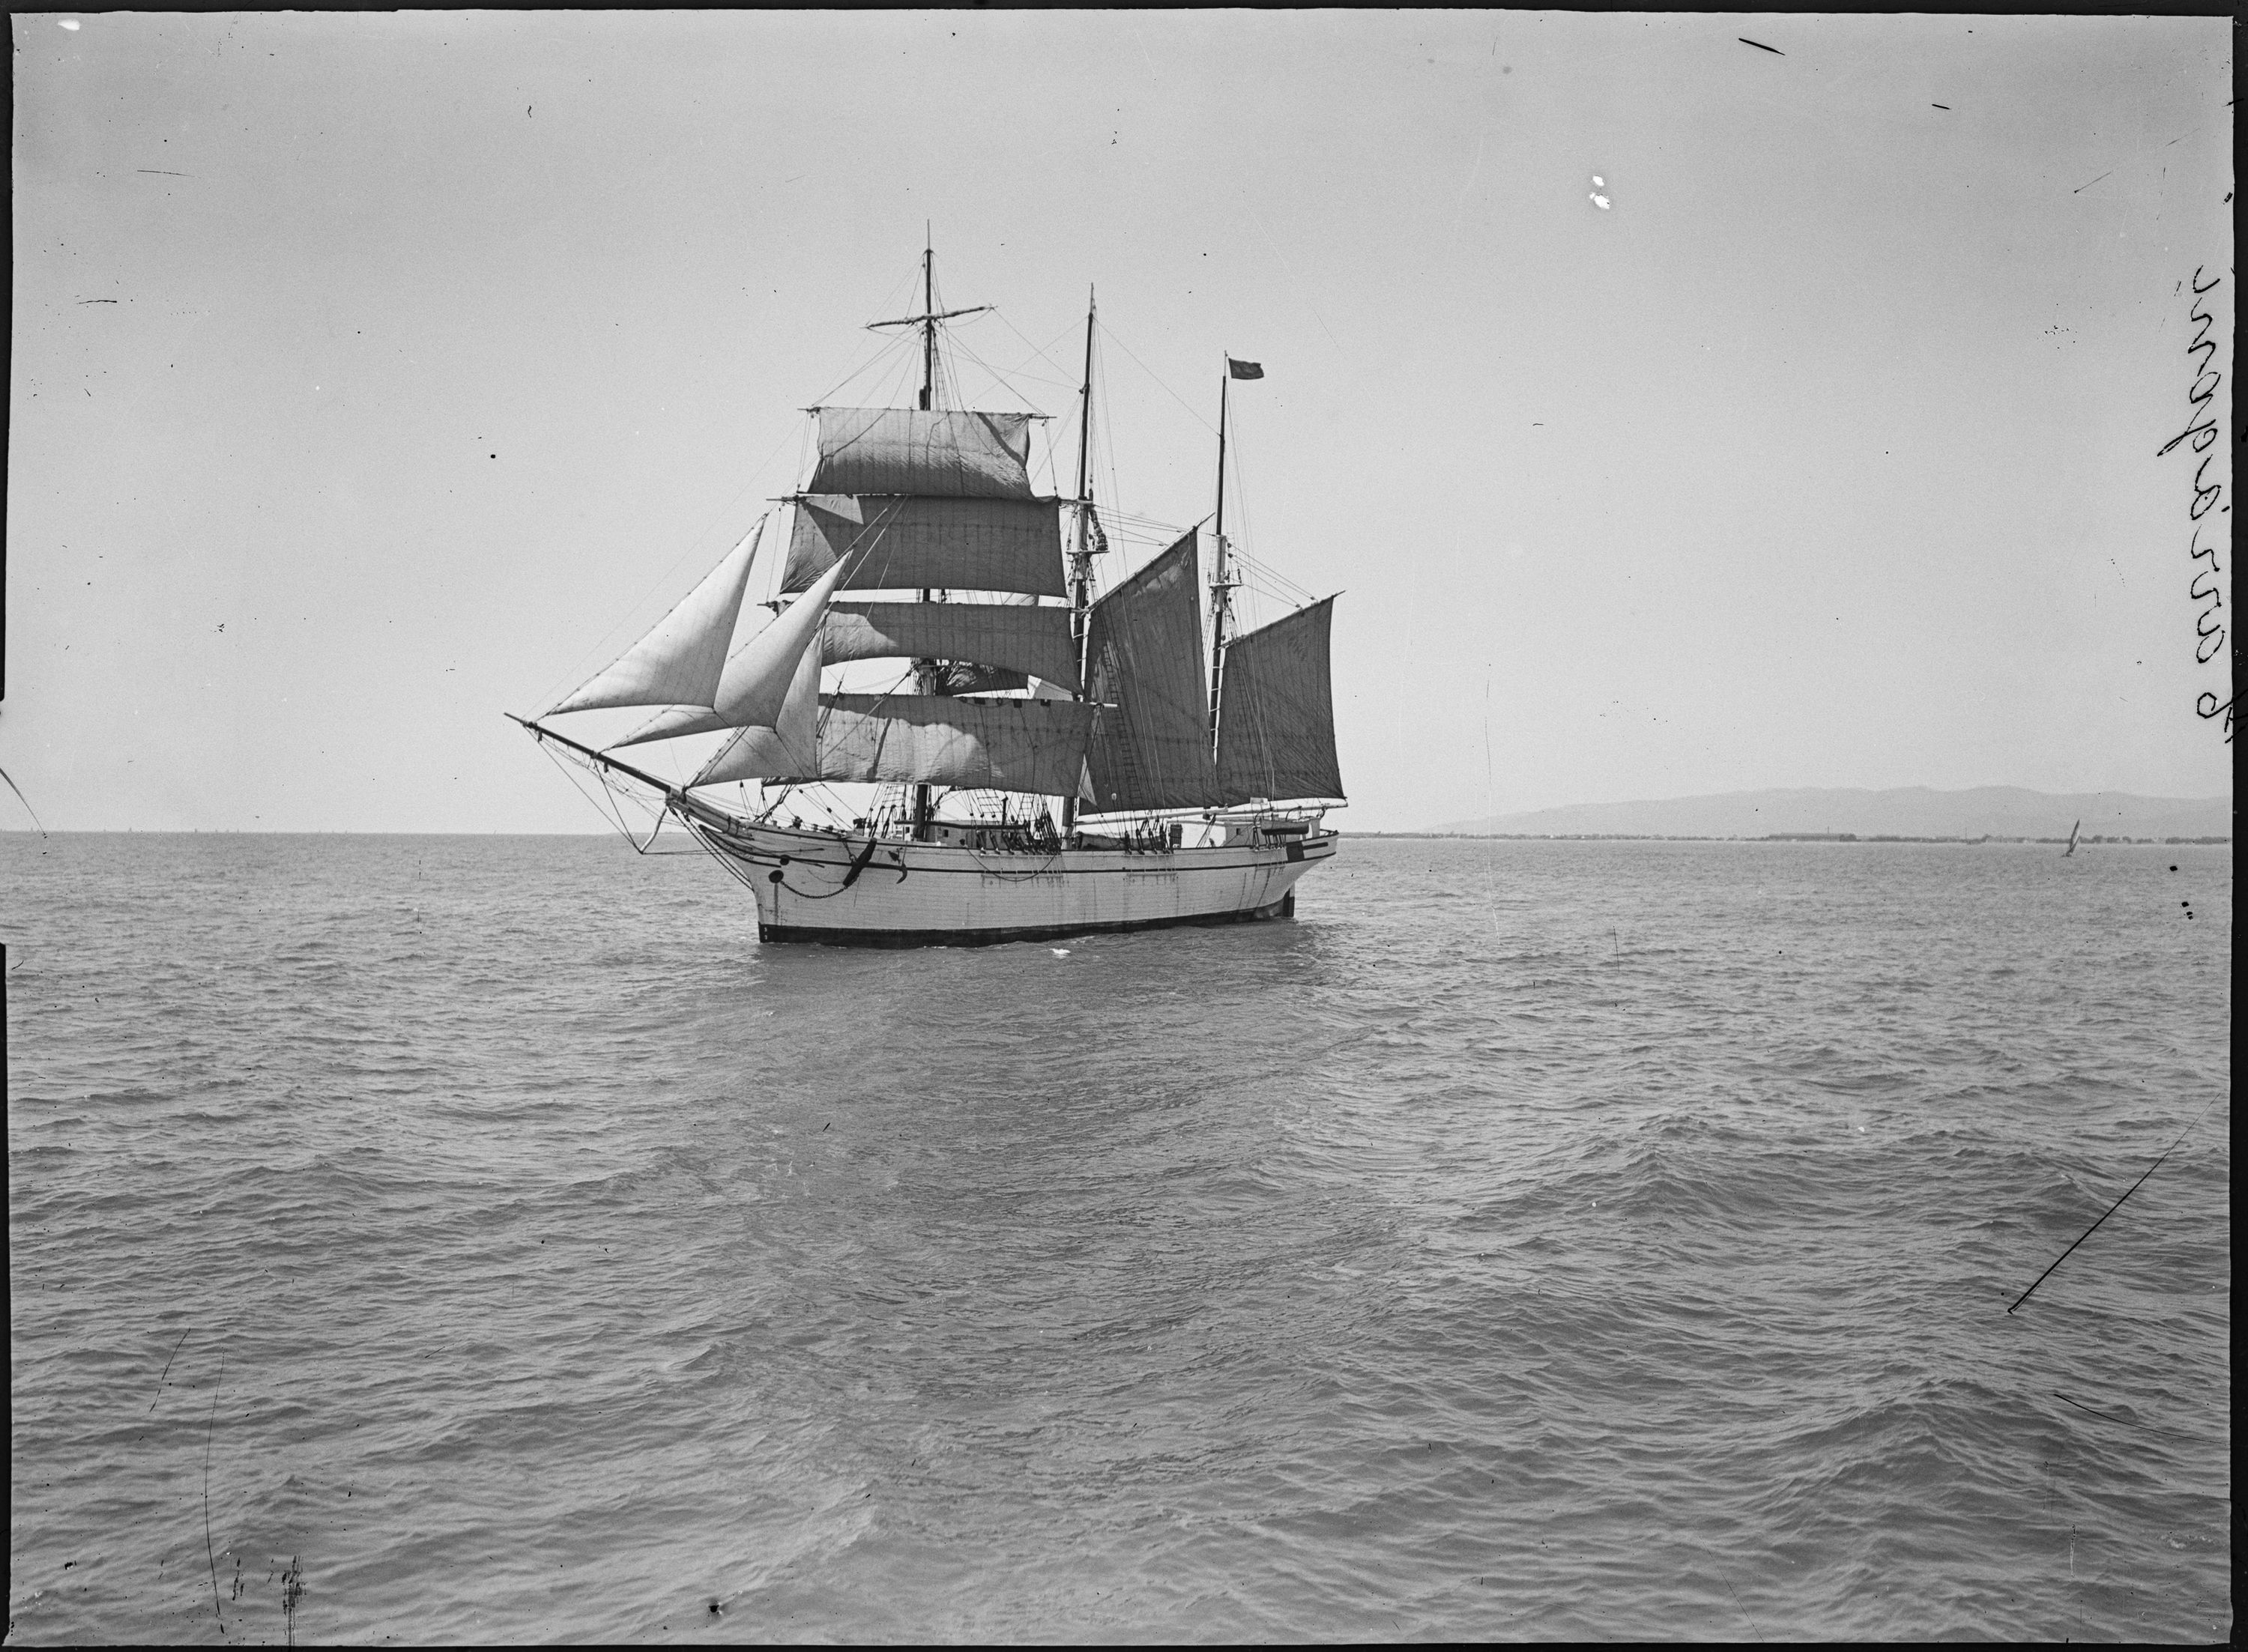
pixel 1555 1240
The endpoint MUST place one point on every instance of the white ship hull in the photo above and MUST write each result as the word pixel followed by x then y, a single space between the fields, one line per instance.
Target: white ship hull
pixel 857 890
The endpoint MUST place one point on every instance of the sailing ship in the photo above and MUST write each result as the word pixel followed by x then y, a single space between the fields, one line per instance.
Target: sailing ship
pixel 1047 761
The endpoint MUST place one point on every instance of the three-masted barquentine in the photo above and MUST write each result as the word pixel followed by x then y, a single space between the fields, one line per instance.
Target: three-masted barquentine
pixel 1044 762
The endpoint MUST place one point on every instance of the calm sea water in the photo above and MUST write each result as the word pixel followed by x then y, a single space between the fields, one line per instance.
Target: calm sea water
pixel 1533 1240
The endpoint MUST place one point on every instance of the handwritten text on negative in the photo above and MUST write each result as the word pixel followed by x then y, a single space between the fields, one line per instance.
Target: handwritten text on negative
pixel 2202 433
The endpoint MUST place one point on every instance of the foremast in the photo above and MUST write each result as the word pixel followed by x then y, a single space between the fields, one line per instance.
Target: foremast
pixel 928 674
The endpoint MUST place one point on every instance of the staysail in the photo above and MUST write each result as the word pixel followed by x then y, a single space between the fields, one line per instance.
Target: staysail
pixel 756 679
pixel 1150 745
pixel 789 745
pixel 1276 720
pixel 681 660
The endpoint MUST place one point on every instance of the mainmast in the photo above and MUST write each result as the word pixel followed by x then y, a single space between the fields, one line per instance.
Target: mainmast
pixel 1080 551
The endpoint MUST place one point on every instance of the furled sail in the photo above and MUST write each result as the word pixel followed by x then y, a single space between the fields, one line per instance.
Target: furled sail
pixel 1011 636
pixel 1005 746
pixel 790 745
pixel 1276 718
pixel 955 454
pixel 1150 747
pixel 909 542
pixel 756 679
pixel 680 661
pixel 962 676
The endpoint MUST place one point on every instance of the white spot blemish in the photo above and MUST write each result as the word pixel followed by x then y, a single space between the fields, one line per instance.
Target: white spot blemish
pixel 68 23
pixel 1599 182
pixel 1601 201
pixel 1060 952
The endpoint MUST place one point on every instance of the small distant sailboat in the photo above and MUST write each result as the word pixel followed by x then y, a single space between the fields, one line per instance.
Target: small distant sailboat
pixel 2071 849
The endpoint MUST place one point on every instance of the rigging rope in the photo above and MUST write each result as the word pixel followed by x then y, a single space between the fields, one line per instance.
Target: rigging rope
pixel 1150 372
pixel 885 346
pixel 564 762
pixel 571 677
pixel 1246 530
pixel 1004 380
pixel 1038 351
pixel 885 343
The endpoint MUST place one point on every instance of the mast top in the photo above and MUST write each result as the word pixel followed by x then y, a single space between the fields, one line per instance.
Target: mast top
pixel 927 320
pixel 923 320
pixel 1084 404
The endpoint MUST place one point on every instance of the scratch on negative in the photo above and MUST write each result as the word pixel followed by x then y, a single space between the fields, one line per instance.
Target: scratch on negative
pixel 177 1346
pixel 2103 1415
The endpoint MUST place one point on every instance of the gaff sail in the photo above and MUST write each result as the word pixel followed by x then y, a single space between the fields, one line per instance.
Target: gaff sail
pixel 1150 744
pixel 1276 720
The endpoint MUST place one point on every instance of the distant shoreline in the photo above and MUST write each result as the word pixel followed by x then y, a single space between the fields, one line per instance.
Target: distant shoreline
pixel 1900 814
pixel 1465 837
pixel 1774 837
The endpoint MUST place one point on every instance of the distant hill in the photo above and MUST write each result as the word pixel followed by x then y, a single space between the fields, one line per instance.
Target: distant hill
pixel 1912 812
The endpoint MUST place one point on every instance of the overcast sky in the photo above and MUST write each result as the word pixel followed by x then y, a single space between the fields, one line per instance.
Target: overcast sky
pixel 375 374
